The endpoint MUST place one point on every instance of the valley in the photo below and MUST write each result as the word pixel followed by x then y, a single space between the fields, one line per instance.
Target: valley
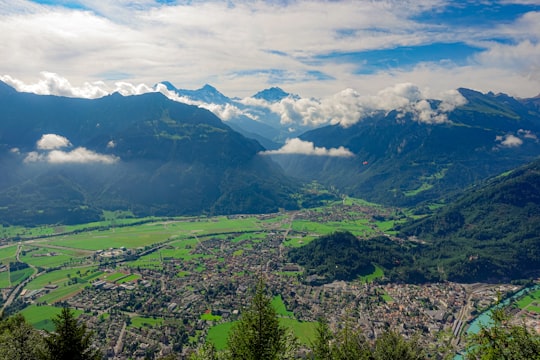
pixel 154 286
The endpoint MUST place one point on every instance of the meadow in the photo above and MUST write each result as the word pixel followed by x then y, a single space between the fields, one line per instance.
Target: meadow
pixel 40 316
pixel 530 302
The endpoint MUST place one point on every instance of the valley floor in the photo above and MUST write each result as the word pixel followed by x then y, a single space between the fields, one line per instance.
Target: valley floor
pixel 175 283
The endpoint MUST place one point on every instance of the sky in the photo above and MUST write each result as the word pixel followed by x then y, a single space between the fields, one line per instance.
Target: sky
pixel 315 48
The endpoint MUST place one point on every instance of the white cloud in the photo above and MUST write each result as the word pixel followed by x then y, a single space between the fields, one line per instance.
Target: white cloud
pixel 348 106
pixel 49 145
pixel 34 156
pixel 509 141
pixel 52 141
pixel 242 46
pixel 527 134
pixel 79 155
pixel 53 84
pixel 297 146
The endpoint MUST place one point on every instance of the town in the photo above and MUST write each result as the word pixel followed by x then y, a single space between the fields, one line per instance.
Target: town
pixel 165 298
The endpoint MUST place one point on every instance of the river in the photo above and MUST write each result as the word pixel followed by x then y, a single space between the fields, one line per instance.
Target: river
pixel 484 319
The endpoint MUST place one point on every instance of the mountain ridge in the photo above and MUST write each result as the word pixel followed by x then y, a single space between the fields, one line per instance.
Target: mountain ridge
pixel 145 153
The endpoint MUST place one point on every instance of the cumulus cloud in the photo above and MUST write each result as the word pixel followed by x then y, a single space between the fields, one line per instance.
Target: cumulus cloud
pixel 53 84
pixel 49 145
pixel 297 146
pixel 527 134
pixel 79 155
pixel 52 141
pixel 348 106
pixel 509 141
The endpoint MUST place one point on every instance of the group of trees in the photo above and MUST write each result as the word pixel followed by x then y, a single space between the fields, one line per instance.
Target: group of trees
pixel 258 335
pixel 70 340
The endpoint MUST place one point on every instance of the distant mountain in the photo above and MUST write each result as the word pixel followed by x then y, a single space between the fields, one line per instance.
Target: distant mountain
pixel 65 160
pixel 207 94
pixel 254 120
pixel 490 232
pixel 402 161
pixel 273 94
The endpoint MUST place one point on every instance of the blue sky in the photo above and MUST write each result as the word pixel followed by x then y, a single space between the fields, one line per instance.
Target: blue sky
pixel 313 48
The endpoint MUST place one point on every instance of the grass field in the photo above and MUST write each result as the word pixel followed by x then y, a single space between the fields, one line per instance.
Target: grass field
pixel 279 306
pixel 387 298
pixel 378 273
pixel 210 317
pixel 141 321
pixel 58 277
pixel 62 293
pixel 4 280
pixel 298 241
pixel 129 278
pixel 217 335
pixel 40 316
pixel 61 257
pixel 7 254
pixel 530 302
pixel 20 275
pixel 304 331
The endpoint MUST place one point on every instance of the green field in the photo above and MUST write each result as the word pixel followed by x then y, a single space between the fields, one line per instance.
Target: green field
pixel 530 302
pixel 31 256
pixel 217 335
pixel 58 277
pixel 61 293
pixel 298 241
pixel 210 317
pixel 7 254
pixel 129 278
pixel 378 273
pixel 20 275
pixel 141 321
pixel 279 306
pixel 304 331
pixel 387 298
pixel 4 280
pixel 40 316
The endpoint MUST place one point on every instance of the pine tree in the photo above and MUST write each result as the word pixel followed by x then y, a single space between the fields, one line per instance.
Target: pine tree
pixel 69 341
pixel 258 334
pixel 392 346
pixel 350 344
pixel 19 340
pixel 322 349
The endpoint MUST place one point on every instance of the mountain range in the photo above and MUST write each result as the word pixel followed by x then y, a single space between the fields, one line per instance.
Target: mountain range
pixel 65 160
pixel 399 160
pixel 68 159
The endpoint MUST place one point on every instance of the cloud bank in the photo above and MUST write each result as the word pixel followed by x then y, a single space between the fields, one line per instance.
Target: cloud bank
pixel 345 108
pixel 312 47
pixel 297 146
pixel 348 106
pixel 49 145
